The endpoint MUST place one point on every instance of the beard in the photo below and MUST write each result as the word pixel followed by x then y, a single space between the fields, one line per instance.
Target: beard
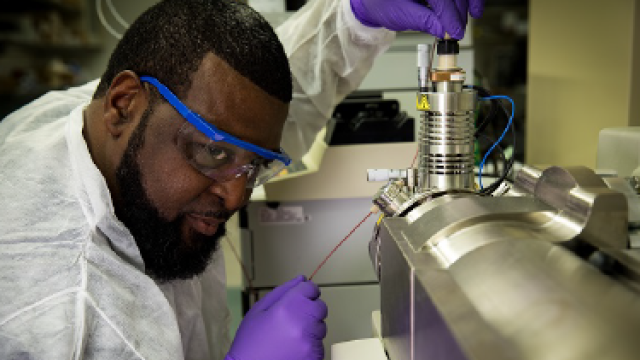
pixel 166 254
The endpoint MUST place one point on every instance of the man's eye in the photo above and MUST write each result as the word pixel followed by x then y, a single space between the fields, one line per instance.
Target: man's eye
pixel 217 153
pixel 208 156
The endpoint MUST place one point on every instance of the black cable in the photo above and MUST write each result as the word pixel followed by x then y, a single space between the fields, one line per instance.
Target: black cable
pixel 498 147
pixel 491 116
pixel 493 110
pixel 493 187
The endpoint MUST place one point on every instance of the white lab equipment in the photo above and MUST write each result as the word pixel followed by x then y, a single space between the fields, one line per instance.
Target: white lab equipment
pixel 619 151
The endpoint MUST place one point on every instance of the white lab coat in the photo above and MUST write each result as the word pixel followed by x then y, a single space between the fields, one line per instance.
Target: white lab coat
pixel 72 282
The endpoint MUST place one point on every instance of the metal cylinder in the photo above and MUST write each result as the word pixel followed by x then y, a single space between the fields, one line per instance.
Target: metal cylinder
pixel 448 86
pixel 446 140
pixel 391 198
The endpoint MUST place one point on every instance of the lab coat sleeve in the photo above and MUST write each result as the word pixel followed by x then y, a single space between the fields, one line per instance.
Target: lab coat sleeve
pixel 330 52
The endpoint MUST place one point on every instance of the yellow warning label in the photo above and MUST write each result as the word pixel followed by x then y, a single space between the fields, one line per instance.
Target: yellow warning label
pixel 421 102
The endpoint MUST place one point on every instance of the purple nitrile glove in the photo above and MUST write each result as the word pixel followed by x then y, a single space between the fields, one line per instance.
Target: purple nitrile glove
pixel 287 324
pixel 448 16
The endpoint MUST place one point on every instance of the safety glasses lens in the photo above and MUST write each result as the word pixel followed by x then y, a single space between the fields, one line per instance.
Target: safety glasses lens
pixel 222 161
pixel 268 171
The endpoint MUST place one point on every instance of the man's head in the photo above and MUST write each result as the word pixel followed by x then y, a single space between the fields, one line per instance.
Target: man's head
pixel 224 62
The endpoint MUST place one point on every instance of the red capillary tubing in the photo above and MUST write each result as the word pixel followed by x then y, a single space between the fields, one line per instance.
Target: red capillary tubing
pixel 244 268
pixel 373 210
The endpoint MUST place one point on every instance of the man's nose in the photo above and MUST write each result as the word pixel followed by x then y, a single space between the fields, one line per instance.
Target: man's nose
pixel 234 192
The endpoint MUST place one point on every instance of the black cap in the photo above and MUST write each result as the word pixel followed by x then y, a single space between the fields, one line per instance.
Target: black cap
pixel 448 47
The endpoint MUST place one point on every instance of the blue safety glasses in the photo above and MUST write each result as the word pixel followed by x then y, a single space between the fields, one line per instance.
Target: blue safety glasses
pixel 216 154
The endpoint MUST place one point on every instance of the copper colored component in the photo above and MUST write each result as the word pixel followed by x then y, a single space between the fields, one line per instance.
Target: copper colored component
pixel 448 75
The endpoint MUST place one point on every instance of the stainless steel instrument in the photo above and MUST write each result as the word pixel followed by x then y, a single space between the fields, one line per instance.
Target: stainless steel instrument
pixel 541 271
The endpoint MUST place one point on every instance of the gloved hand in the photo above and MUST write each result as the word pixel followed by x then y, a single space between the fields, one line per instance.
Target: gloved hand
pixel 448 16
pixel 287 324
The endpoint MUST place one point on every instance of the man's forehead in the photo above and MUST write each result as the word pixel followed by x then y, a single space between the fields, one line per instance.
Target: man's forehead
pixel 233 103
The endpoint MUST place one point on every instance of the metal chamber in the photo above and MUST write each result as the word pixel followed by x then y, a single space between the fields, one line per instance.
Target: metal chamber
pixel 446 140
pixel 543 272
pixel 471 277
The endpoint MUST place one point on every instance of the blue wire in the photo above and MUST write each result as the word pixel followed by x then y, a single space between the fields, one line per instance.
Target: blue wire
pixel 484 159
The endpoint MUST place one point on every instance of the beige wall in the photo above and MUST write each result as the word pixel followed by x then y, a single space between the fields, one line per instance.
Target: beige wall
pixel 635 70
pixel 581 77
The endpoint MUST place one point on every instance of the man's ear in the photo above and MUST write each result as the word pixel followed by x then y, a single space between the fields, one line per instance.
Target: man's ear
pixel 122 101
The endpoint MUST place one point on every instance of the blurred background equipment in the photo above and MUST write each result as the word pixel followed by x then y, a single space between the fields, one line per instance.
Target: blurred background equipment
pixel 44 45
pixel 365 118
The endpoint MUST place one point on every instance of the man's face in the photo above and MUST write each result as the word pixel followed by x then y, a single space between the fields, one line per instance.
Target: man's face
pixel 175 213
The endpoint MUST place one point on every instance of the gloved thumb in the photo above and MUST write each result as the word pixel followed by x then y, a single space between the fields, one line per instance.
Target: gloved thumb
pixel 277 293
pixel 417 17
pixel 476 8
pixel 307 289
pixel 450 19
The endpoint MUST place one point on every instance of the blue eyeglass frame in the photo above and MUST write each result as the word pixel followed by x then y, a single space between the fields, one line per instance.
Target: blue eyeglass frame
pixel 209 129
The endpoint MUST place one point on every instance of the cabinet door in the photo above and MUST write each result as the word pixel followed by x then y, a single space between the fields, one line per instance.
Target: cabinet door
pixel 277 247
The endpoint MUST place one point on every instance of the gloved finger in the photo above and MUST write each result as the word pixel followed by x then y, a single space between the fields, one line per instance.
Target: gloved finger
pixel 417 17
pixel 309 317
pixel 318 351
pixel 463 8
pixel 317 330
pixel 314 351
pixel 276 294
pixel 447 14
pixel 476 8
pixel 307 289
pixel 301 306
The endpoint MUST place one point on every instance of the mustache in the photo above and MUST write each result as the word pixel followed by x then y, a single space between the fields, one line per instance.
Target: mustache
pixel 222 215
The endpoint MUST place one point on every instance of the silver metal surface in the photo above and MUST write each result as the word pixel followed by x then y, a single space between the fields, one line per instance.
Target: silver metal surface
pixel 585 206
pixel 567 204
pixel 448 86
pixel 470 277
pixel 544 272
pixel 424 52
pixel 424 312
pixel 386 174
pixel 375 248
pixel 446 142
pixel 446 136
pixel 407 176
pixel 436 228
pixel 391 198
pixel 525 182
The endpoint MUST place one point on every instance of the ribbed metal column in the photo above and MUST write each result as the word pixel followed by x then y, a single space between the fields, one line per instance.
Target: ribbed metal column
pixel 446 140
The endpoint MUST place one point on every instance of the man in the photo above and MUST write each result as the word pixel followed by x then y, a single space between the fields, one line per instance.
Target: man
pixel 113 206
